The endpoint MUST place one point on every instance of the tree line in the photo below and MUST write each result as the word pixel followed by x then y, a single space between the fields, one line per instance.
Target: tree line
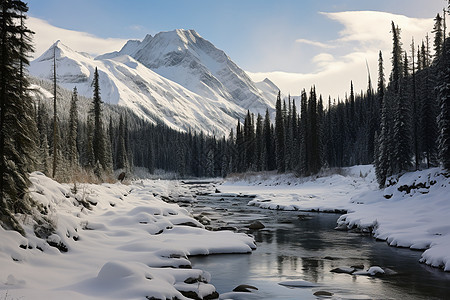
pixel 400 125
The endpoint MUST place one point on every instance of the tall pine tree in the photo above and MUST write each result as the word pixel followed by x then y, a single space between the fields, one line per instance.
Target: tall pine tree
pixel 17 124
pixel 72 149
pixel 279 135
pixel 98 139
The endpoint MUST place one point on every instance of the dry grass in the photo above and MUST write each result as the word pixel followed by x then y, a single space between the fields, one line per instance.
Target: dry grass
pixel 84 176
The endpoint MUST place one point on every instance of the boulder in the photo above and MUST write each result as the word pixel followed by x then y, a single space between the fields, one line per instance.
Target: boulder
pixel 360 267
pixel 256 225
pixel 346 270
pixel 245 288
pixel 323 294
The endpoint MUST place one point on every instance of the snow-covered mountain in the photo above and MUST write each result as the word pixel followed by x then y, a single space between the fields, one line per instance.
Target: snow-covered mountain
pixel 175 77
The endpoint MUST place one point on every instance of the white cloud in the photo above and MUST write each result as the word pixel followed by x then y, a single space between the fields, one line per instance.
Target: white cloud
pixel 47 34
pixel 372 28
pixel 323 59
pixel 314 43
pixel 365 33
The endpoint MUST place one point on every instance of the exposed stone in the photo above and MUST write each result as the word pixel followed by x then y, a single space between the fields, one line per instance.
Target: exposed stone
pixel 245 288
pixel 346 270
pixel 213 295
pixel 60 246
pixel 256 225
pixel 323 294
pixel 194 295
pixel 389 272
pixel 190 224
pixel 330 258
pixel 358 267
pixel 231 228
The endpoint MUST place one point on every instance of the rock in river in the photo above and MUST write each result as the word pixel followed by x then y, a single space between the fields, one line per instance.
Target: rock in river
pixel 256 225
pixel 346 270
pixel 323 294
pixel 244 288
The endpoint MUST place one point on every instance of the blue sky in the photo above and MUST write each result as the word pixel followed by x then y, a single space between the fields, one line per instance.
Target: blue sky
pixel 261 36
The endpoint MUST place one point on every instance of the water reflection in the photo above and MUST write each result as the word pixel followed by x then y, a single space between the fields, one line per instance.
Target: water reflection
pixel 290 248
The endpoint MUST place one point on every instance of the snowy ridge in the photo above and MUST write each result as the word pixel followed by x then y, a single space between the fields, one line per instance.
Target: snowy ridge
pixel 112 242
pixel 175 77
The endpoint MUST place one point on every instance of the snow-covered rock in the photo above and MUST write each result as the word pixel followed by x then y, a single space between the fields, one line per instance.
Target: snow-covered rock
pixel 298 283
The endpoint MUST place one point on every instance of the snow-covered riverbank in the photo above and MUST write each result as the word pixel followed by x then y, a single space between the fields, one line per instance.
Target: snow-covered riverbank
pixel 413 212
pixel 112 241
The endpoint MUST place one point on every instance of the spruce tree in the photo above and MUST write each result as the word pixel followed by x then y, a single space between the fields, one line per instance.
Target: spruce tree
pixel 111 132
pixel 72 150
pixel 17 124
pixel 279 136
pixel 372 119
pixel 89 144
pixel 304 133
pixel 415 112
pixel 121 156
pixel 288 138
pixel 259 143
pixel 438 36
pixel 240 148
pixel 383 149
pixel 98 141
pixel 294 137
pixel 249 142
pixel 267 154
pixel 396 58
pixel 352 115
pixel 381 86
pixel 42 124
pixel 314 163
pixel 428 111
pixel 127 142
pixel 402 125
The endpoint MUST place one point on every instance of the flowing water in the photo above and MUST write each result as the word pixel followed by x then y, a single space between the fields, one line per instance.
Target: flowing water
pixel 304 246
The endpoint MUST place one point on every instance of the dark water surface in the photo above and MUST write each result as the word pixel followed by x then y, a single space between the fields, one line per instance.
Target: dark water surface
pixel 293 248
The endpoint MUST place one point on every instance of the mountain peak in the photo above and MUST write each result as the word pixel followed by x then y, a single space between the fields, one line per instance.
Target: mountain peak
pixel 177 37
pixel 58 49
pixel 187 35
pixel 270 83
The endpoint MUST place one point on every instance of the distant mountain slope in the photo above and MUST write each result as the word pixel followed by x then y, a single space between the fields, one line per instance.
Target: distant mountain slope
pixel 176 77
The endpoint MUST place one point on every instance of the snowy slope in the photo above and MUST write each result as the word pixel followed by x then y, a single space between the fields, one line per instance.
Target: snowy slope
pixel 177 78
pixel 268 88
pixel 188 59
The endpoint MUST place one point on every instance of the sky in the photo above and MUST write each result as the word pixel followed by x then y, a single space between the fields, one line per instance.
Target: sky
pixel 294 43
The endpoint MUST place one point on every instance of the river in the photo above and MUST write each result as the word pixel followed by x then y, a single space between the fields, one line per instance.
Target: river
pixel 305 246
